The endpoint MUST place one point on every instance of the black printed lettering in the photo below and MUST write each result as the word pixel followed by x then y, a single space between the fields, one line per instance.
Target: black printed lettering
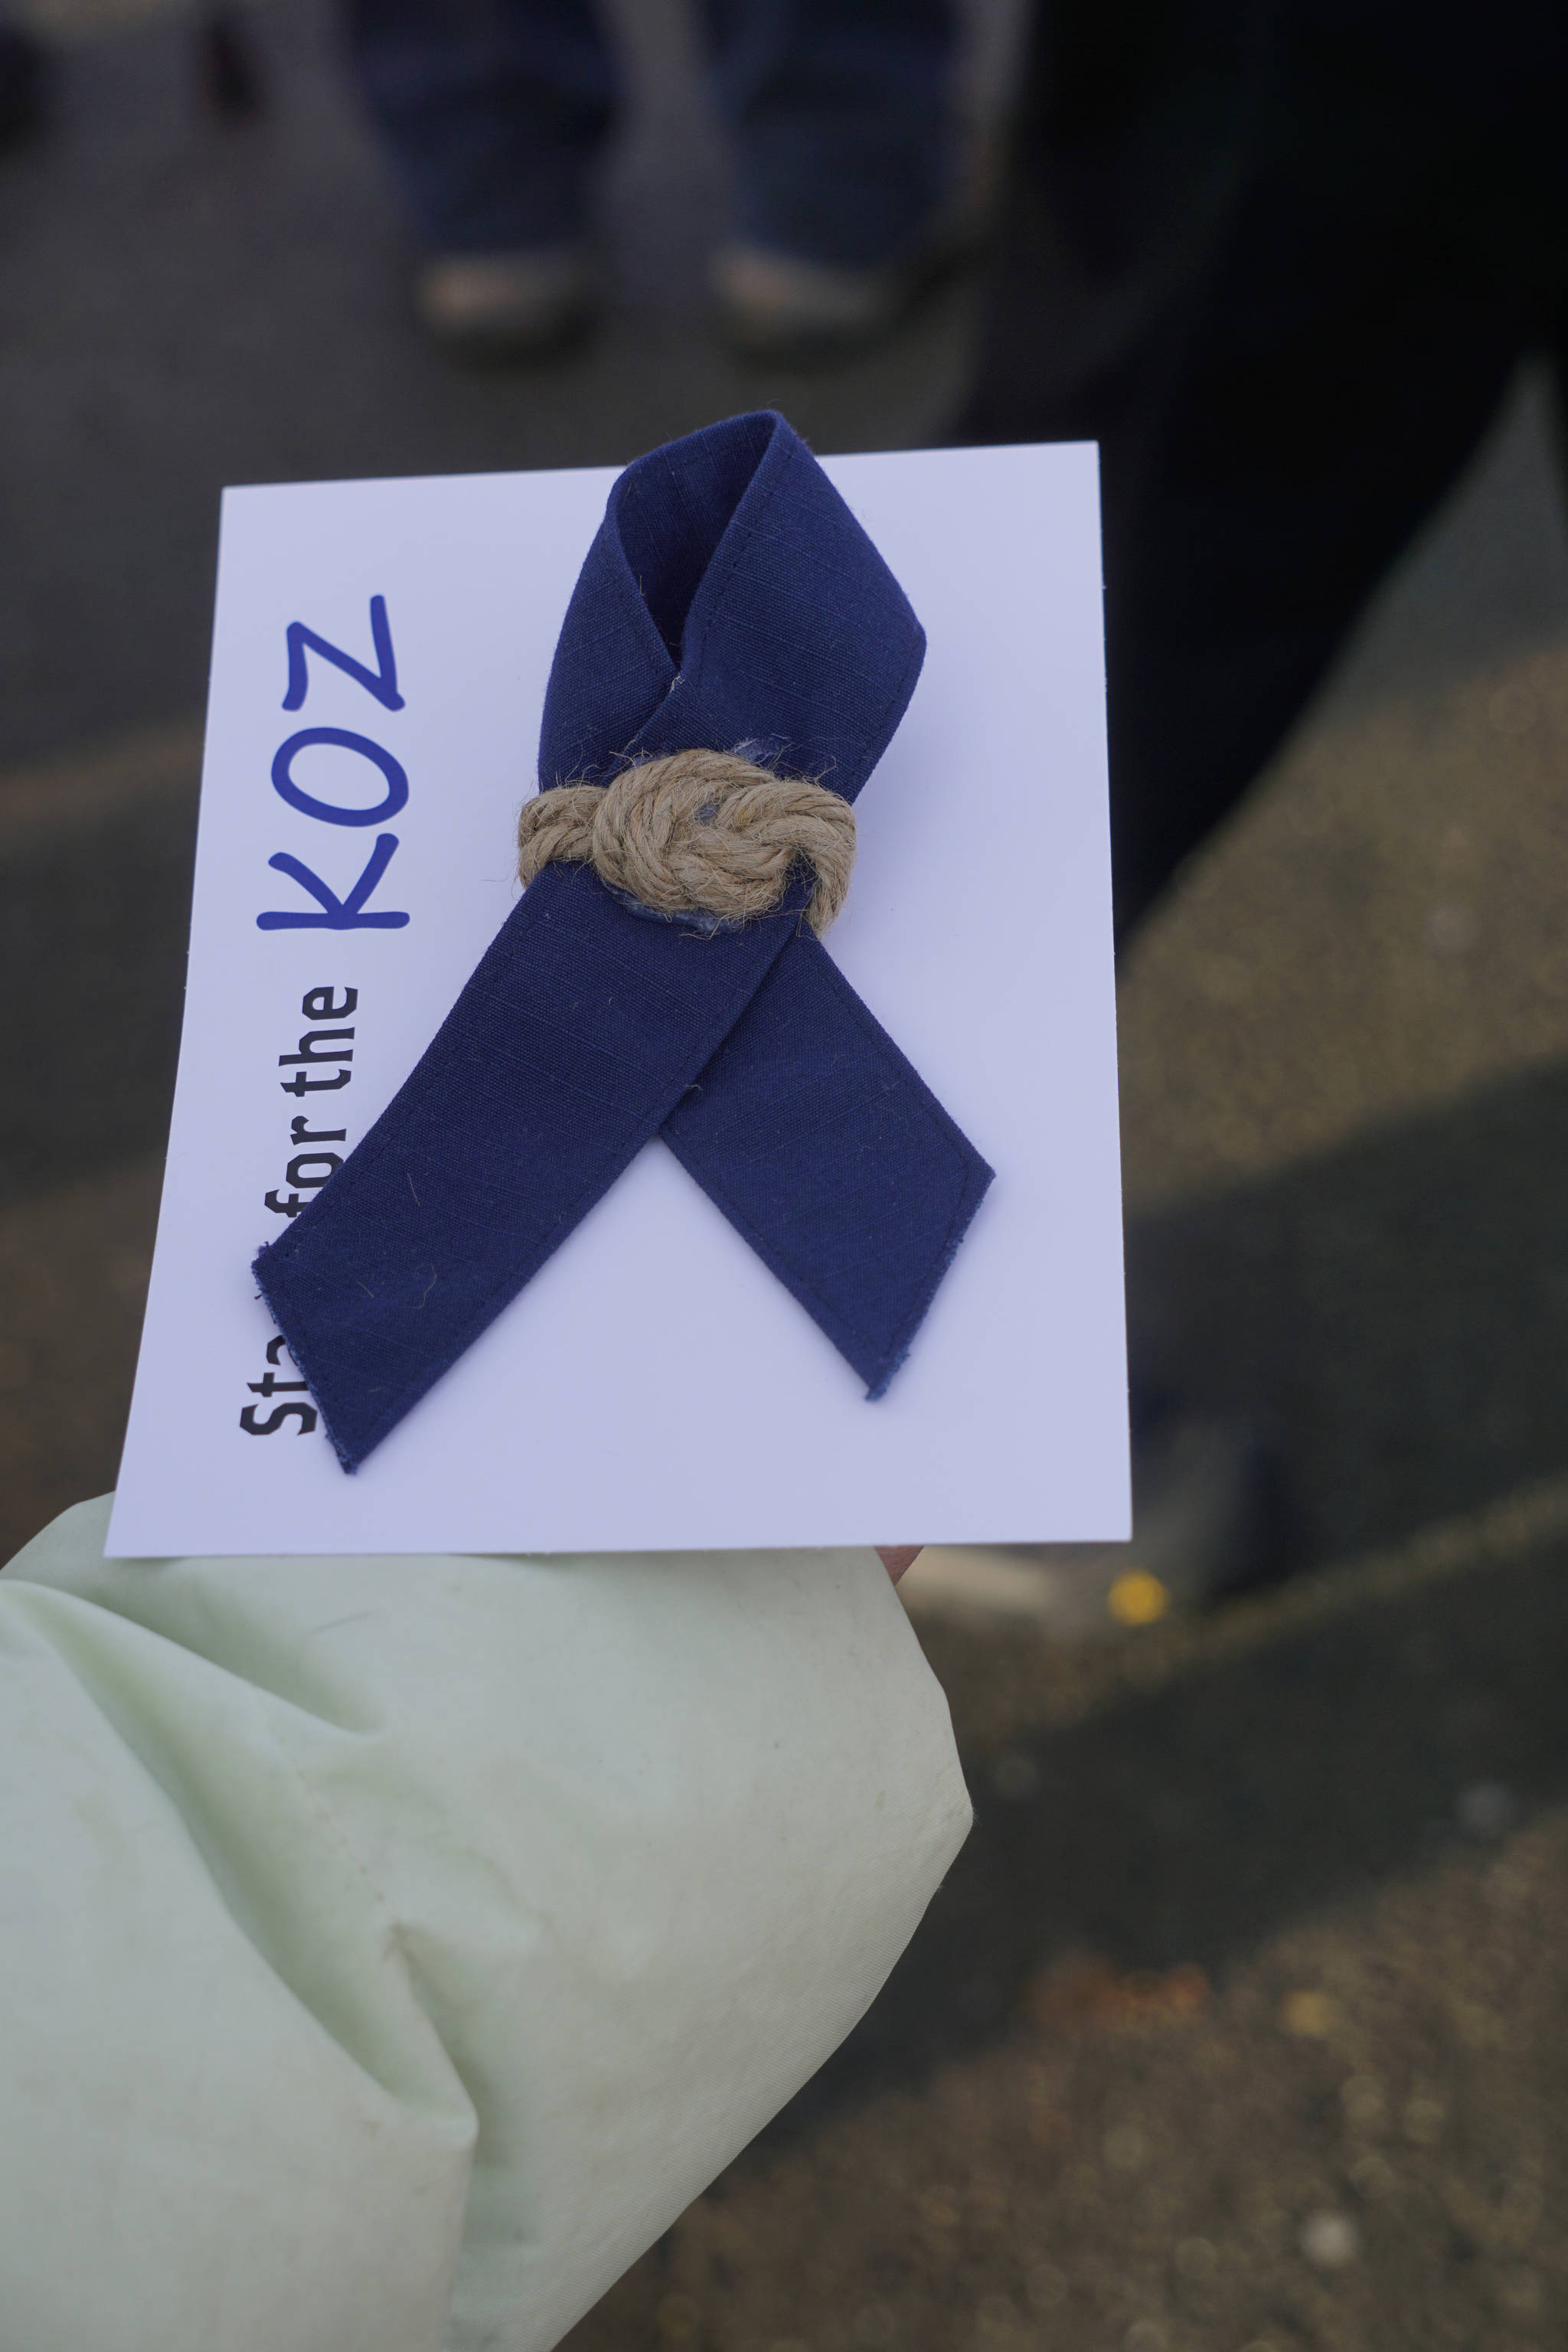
pixel 314 1047
pixel 317 1004
pixel 304 1414
pixel 328 1161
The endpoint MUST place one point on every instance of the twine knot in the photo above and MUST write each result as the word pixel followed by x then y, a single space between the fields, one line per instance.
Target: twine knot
pixel 698 833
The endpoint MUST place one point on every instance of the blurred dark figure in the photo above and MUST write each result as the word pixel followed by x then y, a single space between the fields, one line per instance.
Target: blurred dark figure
pixel 1281 260
pixel 227 69
pixel 495 114
pixel 24 81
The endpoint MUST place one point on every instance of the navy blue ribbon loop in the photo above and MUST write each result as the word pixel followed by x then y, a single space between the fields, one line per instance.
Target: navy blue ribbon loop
pixel 730 602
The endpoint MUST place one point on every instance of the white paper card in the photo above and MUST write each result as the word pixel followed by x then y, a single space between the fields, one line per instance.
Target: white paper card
pixel 653 1387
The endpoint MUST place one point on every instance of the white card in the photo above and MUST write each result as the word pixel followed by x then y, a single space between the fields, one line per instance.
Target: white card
pixel 653 1387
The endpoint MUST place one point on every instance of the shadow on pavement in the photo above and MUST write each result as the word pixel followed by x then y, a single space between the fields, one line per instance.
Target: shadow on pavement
pixel 1400 1305
pixel 1185 1827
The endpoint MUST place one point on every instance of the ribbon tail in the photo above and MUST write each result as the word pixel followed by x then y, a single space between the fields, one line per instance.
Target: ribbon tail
pixel 565 1052
pixel 830 1155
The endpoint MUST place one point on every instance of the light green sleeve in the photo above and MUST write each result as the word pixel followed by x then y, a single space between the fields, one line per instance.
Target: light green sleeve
pixel 392 1947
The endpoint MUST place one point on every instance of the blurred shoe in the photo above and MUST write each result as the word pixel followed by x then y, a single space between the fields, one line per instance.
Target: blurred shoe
pixel 1207 1523
pixel 507 305
pixel 781 306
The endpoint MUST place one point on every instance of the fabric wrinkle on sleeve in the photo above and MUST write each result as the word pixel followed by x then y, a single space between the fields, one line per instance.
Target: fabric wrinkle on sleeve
pixel 396 1946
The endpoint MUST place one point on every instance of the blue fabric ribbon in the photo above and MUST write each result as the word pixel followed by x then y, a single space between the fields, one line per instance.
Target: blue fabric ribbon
pixel 729 601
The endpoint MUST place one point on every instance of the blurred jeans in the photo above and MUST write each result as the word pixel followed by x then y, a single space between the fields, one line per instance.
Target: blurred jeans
pixel 495 112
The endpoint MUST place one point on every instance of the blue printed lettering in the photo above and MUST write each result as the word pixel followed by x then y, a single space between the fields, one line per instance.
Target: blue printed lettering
pixel 340 914
pixel 382 681
pixel 329 811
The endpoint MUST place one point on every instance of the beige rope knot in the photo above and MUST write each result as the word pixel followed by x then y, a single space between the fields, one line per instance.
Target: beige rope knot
pixel 698 833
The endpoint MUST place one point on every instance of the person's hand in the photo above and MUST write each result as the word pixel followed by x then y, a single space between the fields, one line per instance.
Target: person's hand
pixel 896 1557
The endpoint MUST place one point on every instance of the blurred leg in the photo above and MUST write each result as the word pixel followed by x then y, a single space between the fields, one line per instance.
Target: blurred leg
pixel 1325 402
pixel 491 112
pixel 24 84
pixel 841 115
pixel 1352 288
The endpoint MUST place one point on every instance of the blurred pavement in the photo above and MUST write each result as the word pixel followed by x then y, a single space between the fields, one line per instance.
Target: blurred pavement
pixel 190 301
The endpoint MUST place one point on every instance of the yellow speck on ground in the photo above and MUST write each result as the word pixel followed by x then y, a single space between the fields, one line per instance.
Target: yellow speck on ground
pixel 1137 1597
pixel 1314 2015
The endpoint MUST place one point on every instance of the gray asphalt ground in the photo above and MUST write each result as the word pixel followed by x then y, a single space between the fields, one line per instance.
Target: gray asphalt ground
pixel 1241 2023
pixel 190 302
